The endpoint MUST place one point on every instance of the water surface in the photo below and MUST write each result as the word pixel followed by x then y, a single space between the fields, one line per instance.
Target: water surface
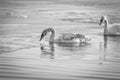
pixel 22 57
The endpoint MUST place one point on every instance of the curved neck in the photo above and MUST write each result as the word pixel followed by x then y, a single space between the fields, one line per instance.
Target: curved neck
pixel 106 27
pixel 52 36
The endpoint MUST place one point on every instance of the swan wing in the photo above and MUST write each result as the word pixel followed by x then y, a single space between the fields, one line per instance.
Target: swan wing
pixel 67 37
pixel 114 30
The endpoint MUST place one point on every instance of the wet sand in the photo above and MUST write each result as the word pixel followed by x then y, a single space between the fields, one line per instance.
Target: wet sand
pixel 23 58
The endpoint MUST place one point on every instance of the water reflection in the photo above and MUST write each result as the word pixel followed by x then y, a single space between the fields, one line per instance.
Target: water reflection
pixel 47 51
pixel 103 49
pixel 109 49
pixel 112 43
pixel 81 44
pixel 106 50
pixel 73 46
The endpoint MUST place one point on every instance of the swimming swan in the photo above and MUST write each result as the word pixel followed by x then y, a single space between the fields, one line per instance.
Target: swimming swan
pixel 67 37
pixel 110 30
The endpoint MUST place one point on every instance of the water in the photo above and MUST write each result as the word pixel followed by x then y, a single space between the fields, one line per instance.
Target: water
pixel 96 60
pixel 23 57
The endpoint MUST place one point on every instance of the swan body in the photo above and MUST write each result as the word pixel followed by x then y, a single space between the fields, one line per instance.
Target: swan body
pixel 110 30
pixel 66 37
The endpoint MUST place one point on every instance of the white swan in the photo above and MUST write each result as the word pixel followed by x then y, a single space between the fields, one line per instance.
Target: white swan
pixel 67 37
pixel 110 30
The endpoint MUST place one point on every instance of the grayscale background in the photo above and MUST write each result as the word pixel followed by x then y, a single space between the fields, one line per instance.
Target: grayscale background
pixel 22 57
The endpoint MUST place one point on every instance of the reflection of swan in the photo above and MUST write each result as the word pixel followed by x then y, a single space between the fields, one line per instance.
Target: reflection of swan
pixel 80 44
pixel 73 46
pixel 67 37
pixel 47 50
pixel 110 49
pixel 105 42
pixel 103 50
pixel 113 30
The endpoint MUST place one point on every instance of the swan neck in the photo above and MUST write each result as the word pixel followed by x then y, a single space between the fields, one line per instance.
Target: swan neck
pixel 52 36
pixel 106 27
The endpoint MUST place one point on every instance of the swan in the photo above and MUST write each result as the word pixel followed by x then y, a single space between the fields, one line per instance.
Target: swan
pixel 110 30
pixel 66 37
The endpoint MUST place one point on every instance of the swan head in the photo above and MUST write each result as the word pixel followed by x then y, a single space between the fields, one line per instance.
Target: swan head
pixel 103 18
pixel 43 35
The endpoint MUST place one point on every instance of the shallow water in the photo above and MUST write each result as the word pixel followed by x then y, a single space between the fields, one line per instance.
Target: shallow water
pixel 23 57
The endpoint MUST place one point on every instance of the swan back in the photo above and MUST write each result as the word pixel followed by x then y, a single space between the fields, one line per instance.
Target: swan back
pixel 114 30
pixel 71 37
